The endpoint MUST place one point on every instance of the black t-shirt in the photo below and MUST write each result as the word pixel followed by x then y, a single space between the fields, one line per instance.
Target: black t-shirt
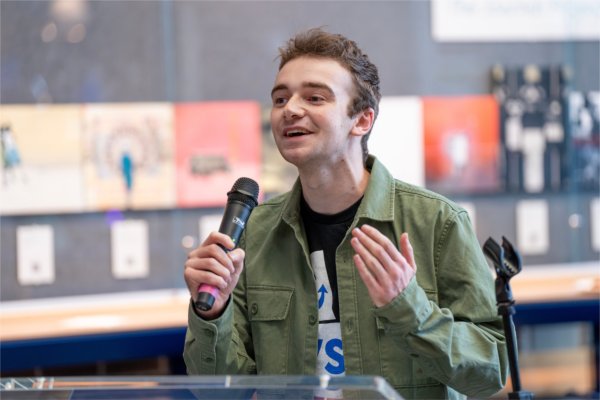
pixel 325 233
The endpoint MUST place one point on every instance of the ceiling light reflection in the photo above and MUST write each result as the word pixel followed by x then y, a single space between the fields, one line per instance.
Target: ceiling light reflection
pixel 76 33
pixel 49 32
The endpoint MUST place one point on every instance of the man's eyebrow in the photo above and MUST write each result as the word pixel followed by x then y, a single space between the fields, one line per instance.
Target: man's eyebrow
pixel 314 85
pixel 318 85
pixel 281 86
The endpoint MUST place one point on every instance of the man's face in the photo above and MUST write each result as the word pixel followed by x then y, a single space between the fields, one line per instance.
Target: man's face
pixel 309 118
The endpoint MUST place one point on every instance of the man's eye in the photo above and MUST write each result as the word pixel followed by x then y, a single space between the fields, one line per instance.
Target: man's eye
pixel 279 101
pixel 315 99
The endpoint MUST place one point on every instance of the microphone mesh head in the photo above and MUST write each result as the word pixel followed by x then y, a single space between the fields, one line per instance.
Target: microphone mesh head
pixel 245 187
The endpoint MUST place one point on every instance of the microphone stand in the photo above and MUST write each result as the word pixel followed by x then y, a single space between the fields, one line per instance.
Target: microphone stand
pixel 507 263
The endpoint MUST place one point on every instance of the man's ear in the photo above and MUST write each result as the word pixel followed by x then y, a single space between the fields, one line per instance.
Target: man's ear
pixel 363 122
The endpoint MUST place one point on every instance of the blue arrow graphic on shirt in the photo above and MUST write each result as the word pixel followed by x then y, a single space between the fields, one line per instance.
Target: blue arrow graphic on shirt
pixel 322 292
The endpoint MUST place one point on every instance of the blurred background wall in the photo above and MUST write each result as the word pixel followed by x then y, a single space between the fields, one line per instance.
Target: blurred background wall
pixel 71 52
pixel 86 53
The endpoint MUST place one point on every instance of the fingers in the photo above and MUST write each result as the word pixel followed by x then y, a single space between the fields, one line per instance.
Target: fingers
pixel 211 264
pixel 373 266
pixel 377 245
pixel 219 238
pixel 206 270
pixel 407 250
pixel 214 247
pixel 385 269
pixel 364 272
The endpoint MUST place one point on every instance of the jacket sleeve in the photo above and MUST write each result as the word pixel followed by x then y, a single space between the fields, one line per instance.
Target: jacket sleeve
pixel 222 346
pixel 459 339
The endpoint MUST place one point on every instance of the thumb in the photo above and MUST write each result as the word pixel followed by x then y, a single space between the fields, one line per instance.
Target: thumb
pixel 237 257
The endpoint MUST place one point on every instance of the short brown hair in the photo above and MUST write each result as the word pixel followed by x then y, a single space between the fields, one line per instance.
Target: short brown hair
pixel 318 43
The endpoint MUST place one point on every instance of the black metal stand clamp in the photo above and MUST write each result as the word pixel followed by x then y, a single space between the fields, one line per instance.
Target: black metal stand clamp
pixel 507 263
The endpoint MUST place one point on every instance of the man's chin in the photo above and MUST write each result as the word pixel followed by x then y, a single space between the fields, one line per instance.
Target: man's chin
pixel 297 157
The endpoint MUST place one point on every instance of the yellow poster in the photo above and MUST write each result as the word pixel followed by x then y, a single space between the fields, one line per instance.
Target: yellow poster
pixel 41 159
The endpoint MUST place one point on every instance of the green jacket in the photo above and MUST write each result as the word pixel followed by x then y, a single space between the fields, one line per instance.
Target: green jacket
pixel 439 338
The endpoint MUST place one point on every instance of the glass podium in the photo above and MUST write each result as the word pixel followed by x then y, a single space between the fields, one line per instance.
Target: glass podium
pixel 251 387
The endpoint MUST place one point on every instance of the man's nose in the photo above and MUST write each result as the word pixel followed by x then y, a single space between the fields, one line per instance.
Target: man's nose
pixel 293 108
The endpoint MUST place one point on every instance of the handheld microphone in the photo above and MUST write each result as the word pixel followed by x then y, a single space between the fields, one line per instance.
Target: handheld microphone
pixel 241 200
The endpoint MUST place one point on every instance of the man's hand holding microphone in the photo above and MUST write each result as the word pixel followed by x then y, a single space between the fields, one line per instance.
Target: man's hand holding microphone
pixel 212 270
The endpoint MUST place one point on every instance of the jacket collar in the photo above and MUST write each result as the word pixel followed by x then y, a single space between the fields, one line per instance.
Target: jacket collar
pixel 378 203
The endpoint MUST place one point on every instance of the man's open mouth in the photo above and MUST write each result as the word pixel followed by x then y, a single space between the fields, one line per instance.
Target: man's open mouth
pixel 295 133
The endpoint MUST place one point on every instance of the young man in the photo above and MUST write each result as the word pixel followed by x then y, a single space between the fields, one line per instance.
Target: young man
pixel 351 272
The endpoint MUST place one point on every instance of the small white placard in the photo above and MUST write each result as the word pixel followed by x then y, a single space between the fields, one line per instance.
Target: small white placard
pixel 534 145
pixel 129 241
pixel 35 255
pixel 208 224
pixel 532 227
pixel 595 223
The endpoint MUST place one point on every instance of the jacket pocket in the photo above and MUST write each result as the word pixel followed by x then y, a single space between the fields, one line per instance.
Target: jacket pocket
pixel 268 309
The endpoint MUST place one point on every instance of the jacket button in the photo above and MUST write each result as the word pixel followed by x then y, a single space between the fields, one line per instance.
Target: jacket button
pixel 254 308
pixel 312 319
